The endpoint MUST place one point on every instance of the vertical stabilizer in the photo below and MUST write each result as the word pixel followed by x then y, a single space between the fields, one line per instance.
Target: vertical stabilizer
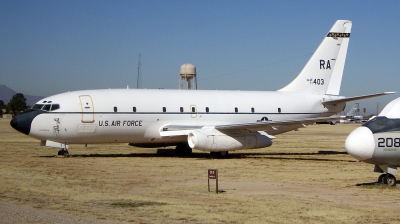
pixel 323 72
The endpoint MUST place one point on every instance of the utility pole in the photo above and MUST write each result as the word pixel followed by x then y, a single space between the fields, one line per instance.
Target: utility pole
pixel 377 108
pixel 139 79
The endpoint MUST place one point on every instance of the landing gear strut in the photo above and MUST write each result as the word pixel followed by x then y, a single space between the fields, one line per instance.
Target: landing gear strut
pixel 63 152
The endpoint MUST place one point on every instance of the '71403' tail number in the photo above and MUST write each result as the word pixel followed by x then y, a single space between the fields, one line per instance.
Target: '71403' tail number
pixel 316 81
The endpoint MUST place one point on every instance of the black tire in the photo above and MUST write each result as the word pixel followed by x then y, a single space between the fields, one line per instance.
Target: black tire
pixel 66 154
pixel 183 149
pixel 223 154
pixel 381 178
pixel 214 154
pixel 390 180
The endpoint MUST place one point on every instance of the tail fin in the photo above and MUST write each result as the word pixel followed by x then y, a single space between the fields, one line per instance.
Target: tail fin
pixel 323 72
pixel 353 110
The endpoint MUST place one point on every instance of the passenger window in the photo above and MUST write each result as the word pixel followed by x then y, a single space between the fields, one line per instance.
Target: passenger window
pixel 134 109
pixel 193 109
pixel 207 110
pixel 252 109
pixel 236 110
pixel 164 109
pixel 181 109
pixel 279 110
pixel 115 109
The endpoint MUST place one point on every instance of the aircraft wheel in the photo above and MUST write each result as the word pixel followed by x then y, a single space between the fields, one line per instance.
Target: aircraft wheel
pixel 66 154
pixel 390 180
pixel 223 154
pixel 60 152
pixel 183 149
pixel 220 154
pixel 381 178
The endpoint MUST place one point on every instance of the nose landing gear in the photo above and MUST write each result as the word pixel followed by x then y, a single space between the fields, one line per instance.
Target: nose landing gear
pixel 388 179
pixel 63 152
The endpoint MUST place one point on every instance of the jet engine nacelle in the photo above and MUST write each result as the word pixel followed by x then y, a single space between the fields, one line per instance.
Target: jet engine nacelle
pixel 215 141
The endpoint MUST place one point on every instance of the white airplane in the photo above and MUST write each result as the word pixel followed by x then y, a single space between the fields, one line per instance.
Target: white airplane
pixel 378 142
pixel 207 120
pixel 351 116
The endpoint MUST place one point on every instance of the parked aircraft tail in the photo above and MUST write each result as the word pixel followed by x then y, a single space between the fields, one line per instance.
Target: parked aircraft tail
pixel 323 72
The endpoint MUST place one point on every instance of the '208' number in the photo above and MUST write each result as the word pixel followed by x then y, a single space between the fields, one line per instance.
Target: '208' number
pixel 388 142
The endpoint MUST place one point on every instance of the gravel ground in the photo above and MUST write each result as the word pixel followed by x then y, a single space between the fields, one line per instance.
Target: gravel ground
pixel 15 213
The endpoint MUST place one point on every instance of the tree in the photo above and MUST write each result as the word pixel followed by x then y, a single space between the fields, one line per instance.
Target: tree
pixel 17 103
pixel 2 105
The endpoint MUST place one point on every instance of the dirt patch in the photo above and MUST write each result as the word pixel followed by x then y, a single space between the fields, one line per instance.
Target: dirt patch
pixel 306 176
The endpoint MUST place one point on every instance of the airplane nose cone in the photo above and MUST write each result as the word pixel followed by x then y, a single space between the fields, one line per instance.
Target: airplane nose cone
pixel 360 143
pixel 22 122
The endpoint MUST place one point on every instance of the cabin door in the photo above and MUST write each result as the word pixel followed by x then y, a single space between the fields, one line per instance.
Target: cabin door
pixel 87 109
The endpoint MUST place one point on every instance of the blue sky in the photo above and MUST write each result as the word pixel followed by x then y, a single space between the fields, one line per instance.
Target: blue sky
pixel 49 47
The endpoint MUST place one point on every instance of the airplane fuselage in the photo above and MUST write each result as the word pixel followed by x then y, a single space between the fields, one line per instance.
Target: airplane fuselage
pixel 136 116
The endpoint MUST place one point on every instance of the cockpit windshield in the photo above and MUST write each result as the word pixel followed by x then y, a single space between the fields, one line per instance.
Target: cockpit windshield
pixel 383 124
pixel 46 107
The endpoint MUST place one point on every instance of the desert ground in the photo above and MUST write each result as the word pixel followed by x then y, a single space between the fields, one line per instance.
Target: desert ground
pixel 305 176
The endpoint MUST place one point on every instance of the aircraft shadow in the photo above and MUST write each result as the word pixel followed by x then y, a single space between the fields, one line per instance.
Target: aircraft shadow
pixel 204 155
pixel 375 183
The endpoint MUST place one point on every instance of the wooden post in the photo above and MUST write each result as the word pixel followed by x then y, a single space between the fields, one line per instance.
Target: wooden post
pixel 213 174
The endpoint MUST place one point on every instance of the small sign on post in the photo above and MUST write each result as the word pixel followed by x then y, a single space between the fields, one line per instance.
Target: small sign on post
pixel 213 174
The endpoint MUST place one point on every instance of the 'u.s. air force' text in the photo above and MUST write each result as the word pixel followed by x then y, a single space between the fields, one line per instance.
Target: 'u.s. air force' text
pixel 130 123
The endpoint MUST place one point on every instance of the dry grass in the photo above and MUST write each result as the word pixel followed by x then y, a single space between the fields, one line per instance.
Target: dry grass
pixel 306 176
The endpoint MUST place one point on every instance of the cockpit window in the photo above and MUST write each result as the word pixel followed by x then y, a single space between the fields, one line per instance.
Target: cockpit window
pixel 46 107
pixel 37 106
pixel 383 124
pixel 55 107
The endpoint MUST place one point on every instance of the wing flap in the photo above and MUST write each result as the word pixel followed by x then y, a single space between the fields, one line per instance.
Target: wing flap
pixel 275 125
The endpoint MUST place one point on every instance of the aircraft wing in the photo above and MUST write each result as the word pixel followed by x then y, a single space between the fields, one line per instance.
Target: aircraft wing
pixel 347 99
pixel 276 127
pixel 270 127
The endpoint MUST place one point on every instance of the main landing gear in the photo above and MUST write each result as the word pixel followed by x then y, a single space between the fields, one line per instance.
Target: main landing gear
pixel 388 179
pixel 220 154
pixel 63 152
pixel 183 149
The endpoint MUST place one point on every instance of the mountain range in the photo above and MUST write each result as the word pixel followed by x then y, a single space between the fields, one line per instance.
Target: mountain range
pixel 6 94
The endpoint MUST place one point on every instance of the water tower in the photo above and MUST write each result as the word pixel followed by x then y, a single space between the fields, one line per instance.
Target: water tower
pixel 188 77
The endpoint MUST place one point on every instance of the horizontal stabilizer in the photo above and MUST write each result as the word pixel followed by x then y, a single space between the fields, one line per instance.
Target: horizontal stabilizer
pixel 348 99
